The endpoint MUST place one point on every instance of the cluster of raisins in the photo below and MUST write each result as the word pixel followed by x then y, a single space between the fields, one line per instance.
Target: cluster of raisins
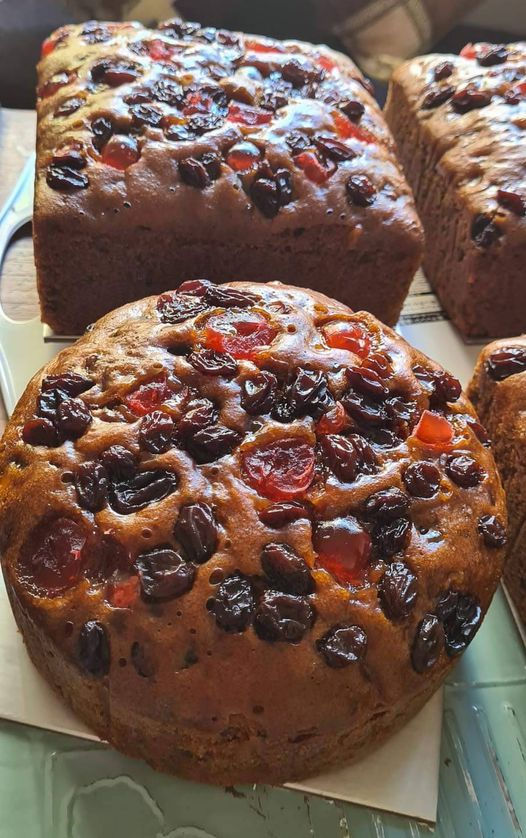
pixel 60 414
pixel 451 626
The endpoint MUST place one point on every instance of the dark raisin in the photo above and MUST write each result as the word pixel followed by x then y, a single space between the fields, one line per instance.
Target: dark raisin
pixel 436 96
pixel 298 72
pixel 168 91
pixel 73 418
pixel 41 432
pixel 298 142
pixel 234 603
pixel 461 616
pixel 179 133
pixel 181 29
pixel 342 645
pixel 212 163
pixel 506 361
pixel 386 505
pixel 479 431
pixel 94 648
pixel 164 574
pixel 283 617
pixel 282 513
pixel 210 362
pixel 443 70
pixel 342 456
pixel 118 462
pixel 364 410
pixel 497 54
pixel 334 149
pixel 200 123
pixel 199 414
pixel 286 570
pixel 228 297
pixel 368 461
pixel 283 180
pixel 47 403
pixel 213 442
pixel 360 191
pixel 512 201
pixel 469 98
pixel 422 480
pixel 441 385
pixel 265 194
pixel 464 471
pixel 194 173
pixel 113 72
pixel 142 664
pixel 353 109
pixel 69 106
pixel 484 232
pixel 427 643
pixel 196 532
pixel 91 484
pixel 156 431
pixel 397 590
pixel 176 308
pixel 258 393
pixel 308 394
pixel 102 129
pixel 68 383
pixel 70 156
pixel 492 531
pixel 65 178
pixel 143 488
pixel 392 537
pixel 368 382
pixel 146 115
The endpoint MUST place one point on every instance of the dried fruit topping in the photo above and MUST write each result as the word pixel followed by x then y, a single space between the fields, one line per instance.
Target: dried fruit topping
pixel 469 98
pixel 386 505
pixel 397 591
pixel 492 531
pixel 195 287
pixel 239 332
pixel 436 96
pixel 258 393
pixel 160 50
pixel 123 593
pixel 344 549
pixel 120 152
pixel 227 297
pixel 196 532
pixel 114 72
pixel 243 157
pixel 163 574
pixel 342 645
pixel 280 470
pixel 144 114
pixel 353 109
pixel 65 178
pixel 156 431
pixel 347 130
pixel 512 201
pixel 307 394
pixel 53 84
pixel 174 307
pixel 484 231
pixel 199 414
pixel 41 431
pixel 422 480
pixel 141 662
pixel 248 115
pixel 91 484
pixel 102 129
pixel 70 155
pixel 461 616
pixel 366 412
pixel 479 431
pixel 210 362
pixel 468 51
pixel 286 570
pixel 300 71
pixel 342 456
pixel 333 421
pixel 94 649
pixel 343 334
pixel 283 617
pixel 368 382
pixel 464 471
pixel 51 559
pixel 119 463
pixel 234 603
pixel 269 194
pixel 50 43
pixel 200 172
pixel 392 537
pixel 333 149
pixel 427 643
pixel 442 386
pixel 514 95
pixel 496 54
pixel 316 170
pixel 69 106
pixel 280 514
pixel 145 487
pixel 506 361
pixel 73 418
pixel 168 91
pixel 213 442
pixel 443 70
pixel 149 396
pixel 95 33
pixel 434 430
pixel 360 191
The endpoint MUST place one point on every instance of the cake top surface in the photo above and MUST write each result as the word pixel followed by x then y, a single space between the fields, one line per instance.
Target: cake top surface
pixel 474 107
pixel 246 472
pixel 136 124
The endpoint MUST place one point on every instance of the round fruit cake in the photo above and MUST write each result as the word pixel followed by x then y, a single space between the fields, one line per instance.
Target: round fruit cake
pixel 246 531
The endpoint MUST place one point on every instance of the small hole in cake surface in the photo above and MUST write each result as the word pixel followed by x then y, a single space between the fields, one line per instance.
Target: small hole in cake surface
pixel 209 653
pixel 291 329
pixel 146 533
pixel 193 631
pixel 179 613
pixel 67 477
pixel 258 709
pixel 158 366
pixel 214 718
pixel 216 576
pixel 122 662
pixel 214 471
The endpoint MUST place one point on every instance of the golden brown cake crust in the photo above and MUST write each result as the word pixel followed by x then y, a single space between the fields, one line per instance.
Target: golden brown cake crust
pixel 459 122
pixel 274 131
pixel 192 640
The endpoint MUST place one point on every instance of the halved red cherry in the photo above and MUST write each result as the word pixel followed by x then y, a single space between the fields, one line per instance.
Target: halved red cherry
pixel 433 429
pixel 159 50
pixel 280 470
pixel 248 115
pixel 333 421
pixel 468 51
pixel 262 46
pixel 51 560
pixel 50 43
pixel 347 129
pixel 240 332
pixel 327 63
pixel 344 549
pixel 243 157
pixel 148 396
pixel 124 593
pixel 343 334
pixel 315 170
pixel 120 152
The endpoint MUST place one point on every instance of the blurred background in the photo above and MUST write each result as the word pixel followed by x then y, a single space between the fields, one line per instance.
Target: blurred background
pixel 376 33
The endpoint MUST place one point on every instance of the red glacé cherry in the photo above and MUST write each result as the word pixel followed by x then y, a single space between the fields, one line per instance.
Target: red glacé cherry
pixel 243 156
pixel 348 130
pixel 280 470
pixel 333 421
pixel 51 560
pixel 258 46
pixel 314 168
pixel 341 334
pixel 149 396
pixel 468 51
pixel 124 593
pixel 433 429
pixel 159 50
pixel 120 152
pixel 343 549
pixel 247 115
pixel 239 332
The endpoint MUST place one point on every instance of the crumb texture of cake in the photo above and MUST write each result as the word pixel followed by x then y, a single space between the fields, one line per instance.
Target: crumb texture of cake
pixel 181 152
pixel 498 390
pixel 244 530
pixel 460 127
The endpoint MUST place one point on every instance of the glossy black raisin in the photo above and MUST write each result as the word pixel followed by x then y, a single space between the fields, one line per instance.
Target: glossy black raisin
pixel 427 643
pixel 436 96
pixel 280 514
pixel 443 70
pixel 283 617
pixel 73 418
pixel 41 431
pixel 353 109
pixel 156 432
pixel 102 129
pixel 497 54
pixel 258 393
pixel 298 72
pixel 234 603
pixel 47 403
pixel 146 115
pixel 484 232
pixel 464 471
pixel 65 178
pixel 386 505
pixel 210 362
pixel 470 98
pixel 492 531
pixel 397 591
pixel 332 149
pixel 164 574
pixel 360 191
pixel 227 297
pixel 213 442
pixel 196 532
pixel 308 393
pixel 392 537
pixel 461 616
pixel 506 361
pixel 342 456
pixel 422 480
pixel 94 648
pixel 365 411
pixel 91 484
pixel 194 173
pixel 199 414
pixel 512 201
pixel 367 382
pixel 139 491
pixel 176 308
pixel 68 383
pixel 168 91
pixel 342 645
pixel 119 463
pixel 265 195
pixel 286 570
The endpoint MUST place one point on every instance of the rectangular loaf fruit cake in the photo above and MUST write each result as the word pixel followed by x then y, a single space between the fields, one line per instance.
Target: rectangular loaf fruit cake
pixel 460 126
pixel 187 152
